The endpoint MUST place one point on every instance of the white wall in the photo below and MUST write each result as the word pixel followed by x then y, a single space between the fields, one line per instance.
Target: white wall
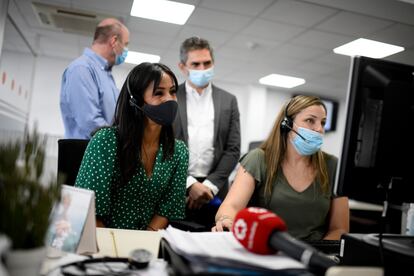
pixel 46 90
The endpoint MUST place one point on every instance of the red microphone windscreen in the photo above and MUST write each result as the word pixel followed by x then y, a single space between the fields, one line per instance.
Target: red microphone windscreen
pixel 253 226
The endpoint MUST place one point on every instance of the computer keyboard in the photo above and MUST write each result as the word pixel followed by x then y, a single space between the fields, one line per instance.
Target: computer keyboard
pixel 331 247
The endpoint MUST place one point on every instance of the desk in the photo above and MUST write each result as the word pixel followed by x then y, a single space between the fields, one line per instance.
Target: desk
pixel 108 239
pixel 120 242
pixel 364 206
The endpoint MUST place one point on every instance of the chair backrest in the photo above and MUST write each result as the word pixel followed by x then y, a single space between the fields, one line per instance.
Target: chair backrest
pixel 70 154
pixel 254 144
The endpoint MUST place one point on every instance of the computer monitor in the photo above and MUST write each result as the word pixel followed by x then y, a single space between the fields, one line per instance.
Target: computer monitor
pixel 331 114
pixel 378 145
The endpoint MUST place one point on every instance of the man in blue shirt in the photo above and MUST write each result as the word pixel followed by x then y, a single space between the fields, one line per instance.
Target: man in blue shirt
pixel 88 91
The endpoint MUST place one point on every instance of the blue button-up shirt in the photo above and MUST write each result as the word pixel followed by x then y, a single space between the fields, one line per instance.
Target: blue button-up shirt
pixel 88 95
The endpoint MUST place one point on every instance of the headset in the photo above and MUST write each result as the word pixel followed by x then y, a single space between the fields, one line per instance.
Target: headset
pixel 287 123
pixel 132 101
pixel 139 259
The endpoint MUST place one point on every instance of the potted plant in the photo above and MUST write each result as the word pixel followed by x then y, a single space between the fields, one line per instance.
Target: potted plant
pixel 25 202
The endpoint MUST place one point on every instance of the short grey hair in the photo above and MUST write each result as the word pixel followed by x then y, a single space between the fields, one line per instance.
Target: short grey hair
pixel 194 43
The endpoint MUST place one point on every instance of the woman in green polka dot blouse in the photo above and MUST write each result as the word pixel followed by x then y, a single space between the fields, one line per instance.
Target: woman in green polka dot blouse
pixel 136 168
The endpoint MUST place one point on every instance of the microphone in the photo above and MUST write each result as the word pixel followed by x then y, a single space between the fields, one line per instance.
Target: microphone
pixel 286 125
pixel 263 232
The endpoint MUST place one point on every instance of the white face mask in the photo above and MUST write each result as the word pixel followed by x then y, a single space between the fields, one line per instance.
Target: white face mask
pixel 201 78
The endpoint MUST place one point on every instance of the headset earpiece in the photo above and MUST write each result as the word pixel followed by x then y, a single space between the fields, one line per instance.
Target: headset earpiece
pixel 132 101
pixel 287 124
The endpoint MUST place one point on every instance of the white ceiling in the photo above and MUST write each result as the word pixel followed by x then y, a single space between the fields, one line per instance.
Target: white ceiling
pixel 251 38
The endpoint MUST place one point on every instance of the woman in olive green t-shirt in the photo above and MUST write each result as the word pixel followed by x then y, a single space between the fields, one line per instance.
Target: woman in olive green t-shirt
pixel 289 175
pixel 136 168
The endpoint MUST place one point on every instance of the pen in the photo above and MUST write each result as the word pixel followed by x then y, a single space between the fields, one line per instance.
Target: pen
pixel 114 243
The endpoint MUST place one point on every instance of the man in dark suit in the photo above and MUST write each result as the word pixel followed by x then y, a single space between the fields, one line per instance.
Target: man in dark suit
pixel 208 122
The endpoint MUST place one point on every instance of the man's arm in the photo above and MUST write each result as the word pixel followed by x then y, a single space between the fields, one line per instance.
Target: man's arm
pixel 82 93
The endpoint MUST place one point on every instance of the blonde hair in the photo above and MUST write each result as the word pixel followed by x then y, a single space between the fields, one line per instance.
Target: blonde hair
pixel 275 145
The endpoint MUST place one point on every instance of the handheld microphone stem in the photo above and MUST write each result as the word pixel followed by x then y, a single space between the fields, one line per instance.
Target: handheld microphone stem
pixel 299 250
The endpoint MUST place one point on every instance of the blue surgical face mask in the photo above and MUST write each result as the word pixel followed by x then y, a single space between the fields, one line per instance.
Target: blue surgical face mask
pixel 308 142
pixel 121 58
pixel 201 78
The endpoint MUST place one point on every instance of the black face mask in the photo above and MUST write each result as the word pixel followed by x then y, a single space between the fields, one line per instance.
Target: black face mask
pixel 163 114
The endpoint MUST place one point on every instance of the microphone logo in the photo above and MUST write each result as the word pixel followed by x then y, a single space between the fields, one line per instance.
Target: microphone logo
pixel 252 228
pixel 240 229
pixel 257 210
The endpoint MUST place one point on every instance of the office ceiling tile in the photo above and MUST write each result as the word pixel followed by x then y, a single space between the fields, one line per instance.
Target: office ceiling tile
pixel 216 38
pixel 244 7
pixel 272 30
pixel 117 8
pixel 151 26
pixel 226 21
pixel 323 40
pixel 353 24
pixel 297 13
pixel 140 39
pixel 397 34
pixel 406 57
pixel 318 68
pixel 393 10
pixel 298 51
pixel 332 58
pixel 248 48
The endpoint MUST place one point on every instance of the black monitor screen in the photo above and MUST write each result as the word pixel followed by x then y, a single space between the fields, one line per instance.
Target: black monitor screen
pixel 379 132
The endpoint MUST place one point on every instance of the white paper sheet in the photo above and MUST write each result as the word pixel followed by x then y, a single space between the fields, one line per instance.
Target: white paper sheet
pixel 223 245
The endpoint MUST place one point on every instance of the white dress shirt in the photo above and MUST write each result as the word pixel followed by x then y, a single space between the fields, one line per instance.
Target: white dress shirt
pixel 200 121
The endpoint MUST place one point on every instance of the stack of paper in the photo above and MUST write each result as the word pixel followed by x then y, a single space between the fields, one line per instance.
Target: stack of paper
pixel 222 249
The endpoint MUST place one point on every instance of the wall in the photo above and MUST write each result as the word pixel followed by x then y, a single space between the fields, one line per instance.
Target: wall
pixel 3 14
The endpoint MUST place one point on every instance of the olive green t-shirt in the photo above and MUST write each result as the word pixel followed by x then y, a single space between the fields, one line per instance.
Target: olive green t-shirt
pixel 305 213
pixel 132 206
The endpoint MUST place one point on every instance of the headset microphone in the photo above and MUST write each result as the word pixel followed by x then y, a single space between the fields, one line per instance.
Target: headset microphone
pixel 263 232
pixel 287 126
pixel 287 123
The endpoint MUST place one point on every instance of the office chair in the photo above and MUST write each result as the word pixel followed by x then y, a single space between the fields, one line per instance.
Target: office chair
pixel 254 144
pixel 70 154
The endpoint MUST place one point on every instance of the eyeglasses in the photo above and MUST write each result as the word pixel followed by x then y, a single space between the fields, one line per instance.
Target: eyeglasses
pixel 139 259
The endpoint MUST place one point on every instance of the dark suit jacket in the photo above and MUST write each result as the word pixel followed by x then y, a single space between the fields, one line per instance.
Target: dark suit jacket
pixel 226 134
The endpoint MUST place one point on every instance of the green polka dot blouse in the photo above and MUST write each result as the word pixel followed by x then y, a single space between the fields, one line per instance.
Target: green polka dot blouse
pixel 133 205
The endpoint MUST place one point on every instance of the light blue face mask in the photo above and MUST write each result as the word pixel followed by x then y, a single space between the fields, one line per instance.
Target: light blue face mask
pixel 121 58
pixel 307 142
pixel 201 78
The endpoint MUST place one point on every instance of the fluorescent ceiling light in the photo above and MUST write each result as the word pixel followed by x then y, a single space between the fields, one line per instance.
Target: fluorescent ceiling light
pixel 281 81
pixel 162 10
pixel 368 48
pixel 137 57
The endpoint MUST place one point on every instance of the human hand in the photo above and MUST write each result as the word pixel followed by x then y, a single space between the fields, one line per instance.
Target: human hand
pixel 224 223
pixel 198 195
